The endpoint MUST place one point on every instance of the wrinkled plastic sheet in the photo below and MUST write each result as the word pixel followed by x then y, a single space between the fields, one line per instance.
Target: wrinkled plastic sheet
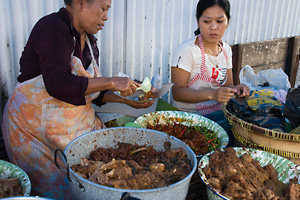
pixel 266 115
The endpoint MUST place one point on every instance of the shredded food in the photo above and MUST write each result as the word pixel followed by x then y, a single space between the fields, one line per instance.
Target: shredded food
pixel 134 167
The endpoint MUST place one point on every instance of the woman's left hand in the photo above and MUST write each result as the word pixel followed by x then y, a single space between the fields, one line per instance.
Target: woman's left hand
pixel 138 105
pixel 242 90
pixel 110 96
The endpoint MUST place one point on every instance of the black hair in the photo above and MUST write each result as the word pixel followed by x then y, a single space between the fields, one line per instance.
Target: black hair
pixel 204 4
pixel 69 2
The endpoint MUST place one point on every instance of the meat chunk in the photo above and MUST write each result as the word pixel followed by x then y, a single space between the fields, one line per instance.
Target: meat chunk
pixel 272 173
pixel 86 167
pixel 294 190
pixel 123 172
pixel 99 177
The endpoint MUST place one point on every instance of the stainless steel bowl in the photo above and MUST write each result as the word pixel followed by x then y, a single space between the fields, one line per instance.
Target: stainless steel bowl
pixel 81 147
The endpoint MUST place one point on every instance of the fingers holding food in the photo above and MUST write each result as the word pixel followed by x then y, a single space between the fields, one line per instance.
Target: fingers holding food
pixel 224 94
pixel 125 86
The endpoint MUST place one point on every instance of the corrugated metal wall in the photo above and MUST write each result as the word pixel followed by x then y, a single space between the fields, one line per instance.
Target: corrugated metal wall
pixel 140 35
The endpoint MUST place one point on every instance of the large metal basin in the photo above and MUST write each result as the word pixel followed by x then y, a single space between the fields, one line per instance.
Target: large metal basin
pixel 83 145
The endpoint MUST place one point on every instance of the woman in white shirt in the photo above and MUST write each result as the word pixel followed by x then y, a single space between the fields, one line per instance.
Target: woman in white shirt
pixel 202 66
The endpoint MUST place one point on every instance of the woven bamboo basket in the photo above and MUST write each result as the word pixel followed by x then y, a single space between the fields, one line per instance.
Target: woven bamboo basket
pixel 250 135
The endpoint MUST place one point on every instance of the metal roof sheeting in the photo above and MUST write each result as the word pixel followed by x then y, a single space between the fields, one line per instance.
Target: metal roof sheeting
pixel 140 35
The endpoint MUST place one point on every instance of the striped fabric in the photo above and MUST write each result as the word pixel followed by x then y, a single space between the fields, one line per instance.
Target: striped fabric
pixel 202 75
pixel 203 108
pixel 207 109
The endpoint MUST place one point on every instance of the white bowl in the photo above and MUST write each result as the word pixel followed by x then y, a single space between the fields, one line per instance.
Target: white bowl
pixel 285 168
pixel 184 118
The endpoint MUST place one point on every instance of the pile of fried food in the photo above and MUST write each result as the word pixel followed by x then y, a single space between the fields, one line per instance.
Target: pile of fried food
pixel 134 167
pixel 243 178
pixel 10 187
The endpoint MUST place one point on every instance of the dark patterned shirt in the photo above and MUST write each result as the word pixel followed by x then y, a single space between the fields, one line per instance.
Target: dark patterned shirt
pixel 48 52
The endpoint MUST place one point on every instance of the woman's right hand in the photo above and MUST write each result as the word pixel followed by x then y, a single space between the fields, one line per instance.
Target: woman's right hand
pixel 124 85
pixel 224 94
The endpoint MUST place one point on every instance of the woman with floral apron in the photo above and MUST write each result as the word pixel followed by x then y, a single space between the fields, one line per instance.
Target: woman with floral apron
pixel 38 121
pixel 202 66
pixel 52 103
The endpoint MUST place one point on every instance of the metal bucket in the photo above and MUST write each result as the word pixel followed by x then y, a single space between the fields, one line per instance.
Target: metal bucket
pixel 83 145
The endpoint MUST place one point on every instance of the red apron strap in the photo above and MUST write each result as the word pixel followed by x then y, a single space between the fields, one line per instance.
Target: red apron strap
pixel 201 75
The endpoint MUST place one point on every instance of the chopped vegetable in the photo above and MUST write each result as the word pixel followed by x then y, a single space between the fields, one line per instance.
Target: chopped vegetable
pixel 146 85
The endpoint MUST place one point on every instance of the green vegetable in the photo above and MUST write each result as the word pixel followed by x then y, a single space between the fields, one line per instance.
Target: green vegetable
pixel 211 137
pixel 146 85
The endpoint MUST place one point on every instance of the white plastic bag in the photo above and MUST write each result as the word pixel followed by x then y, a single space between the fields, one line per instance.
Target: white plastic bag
pixel 276 78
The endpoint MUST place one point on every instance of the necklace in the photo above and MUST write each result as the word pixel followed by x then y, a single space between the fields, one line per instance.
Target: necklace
pixel 217 64
pixel 213 62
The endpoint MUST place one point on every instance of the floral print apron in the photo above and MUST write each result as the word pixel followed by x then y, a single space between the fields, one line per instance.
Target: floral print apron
pixel 216 79
pixel 38 124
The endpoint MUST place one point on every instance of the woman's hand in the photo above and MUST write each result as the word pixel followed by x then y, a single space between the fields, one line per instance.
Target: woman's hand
pixel 224 94
pixel 242 90
pixel 124 85
pixel 138 105
pixel 111 97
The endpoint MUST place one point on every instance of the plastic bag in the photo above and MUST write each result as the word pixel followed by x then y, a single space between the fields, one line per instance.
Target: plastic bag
pixel 272 78
pixel 260 99
pixel 261 108
pixel 292 106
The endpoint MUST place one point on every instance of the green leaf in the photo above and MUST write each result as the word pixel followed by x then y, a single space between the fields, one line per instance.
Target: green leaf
pixel 132 124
